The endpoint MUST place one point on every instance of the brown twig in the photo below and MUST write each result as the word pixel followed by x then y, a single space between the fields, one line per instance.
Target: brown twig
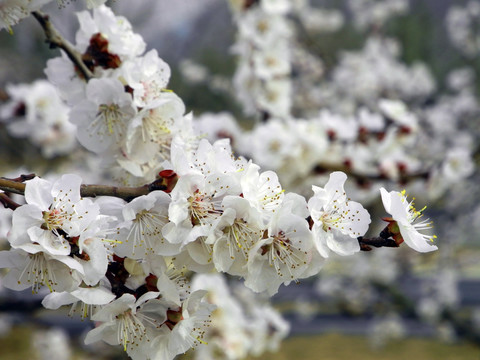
pixel 22 178
pixel 367 243
pixel 57 41
pixel 12 186
pixel 123 192
pixel 366 178
pixel 7 202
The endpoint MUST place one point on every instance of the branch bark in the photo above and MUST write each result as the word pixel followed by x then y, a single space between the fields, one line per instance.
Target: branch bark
pixel 57 41
pixel 123 192
pixel 367 243
pixel 364 178
pixel 7 202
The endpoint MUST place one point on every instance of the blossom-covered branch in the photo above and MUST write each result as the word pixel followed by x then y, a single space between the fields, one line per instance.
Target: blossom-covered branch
pixel 123 192
pixel 121 253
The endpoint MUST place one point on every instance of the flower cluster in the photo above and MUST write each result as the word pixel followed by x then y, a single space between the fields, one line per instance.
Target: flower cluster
pixel 113 260
pixel 263 73
pixel 242 324
pixel 462 25
pixel 38 106
pixel 376 13
pixel 125 113
pixel 376 121
pixel 125 261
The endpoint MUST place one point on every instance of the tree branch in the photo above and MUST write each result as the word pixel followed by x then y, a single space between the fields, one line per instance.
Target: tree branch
pixel 367 243
pixel 7 202
pixel 123 192
pixel 57 41
pixel 364 178
pixel 12 186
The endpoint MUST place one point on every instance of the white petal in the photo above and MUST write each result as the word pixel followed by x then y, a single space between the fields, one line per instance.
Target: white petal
pixel 38 192
pixel 415 240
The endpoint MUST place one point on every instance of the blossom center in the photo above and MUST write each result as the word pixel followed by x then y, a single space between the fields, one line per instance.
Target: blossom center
pixel 54 219
pixel 131 331
pixel 109 121
pixel 202 208
pixel 282 255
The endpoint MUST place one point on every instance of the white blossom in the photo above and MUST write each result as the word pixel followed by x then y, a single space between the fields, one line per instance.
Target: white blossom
pixel 406 216
pixel 104 116
pixel 337 221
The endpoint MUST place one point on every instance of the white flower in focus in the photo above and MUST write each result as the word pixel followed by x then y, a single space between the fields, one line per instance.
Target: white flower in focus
pixel 286 250
pixel 405 215
pixel 104 116
pixel 54 213
pixel 217 158
pixel 151 132
pixel 85 300
pixel 148 76
pixel 337 221
pixel 238 229
pixel 171 282
pixel 35 270
pixel 51 230
pixel 196 205
pixel 131 323
pixel 122 41
pixel 92 249
pixel 145 217
pixel 263 191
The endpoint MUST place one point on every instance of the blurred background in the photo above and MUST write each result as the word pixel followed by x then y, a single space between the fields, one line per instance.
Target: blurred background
pixel 381 304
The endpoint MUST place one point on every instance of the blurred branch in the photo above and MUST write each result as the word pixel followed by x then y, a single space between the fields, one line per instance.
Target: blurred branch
pixel 365 179
pixel 462 325
pixel 4 95
pixel 57 41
